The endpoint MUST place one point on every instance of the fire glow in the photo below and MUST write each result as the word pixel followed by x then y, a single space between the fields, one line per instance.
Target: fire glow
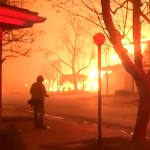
pixel 92 82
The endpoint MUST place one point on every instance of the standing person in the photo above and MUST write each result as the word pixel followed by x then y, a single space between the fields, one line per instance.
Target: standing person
pixel 38 94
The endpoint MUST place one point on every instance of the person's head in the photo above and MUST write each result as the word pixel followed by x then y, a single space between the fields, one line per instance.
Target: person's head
pixel 40 78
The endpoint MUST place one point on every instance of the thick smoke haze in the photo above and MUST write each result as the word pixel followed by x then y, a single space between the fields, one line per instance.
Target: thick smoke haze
pixel 23 70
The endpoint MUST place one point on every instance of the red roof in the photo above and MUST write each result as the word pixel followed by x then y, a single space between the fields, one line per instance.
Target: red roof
pixel 14 18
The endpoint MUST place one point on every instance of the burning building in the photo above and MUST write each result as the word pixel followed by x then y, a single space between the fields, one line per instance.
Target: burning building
pixel 114 77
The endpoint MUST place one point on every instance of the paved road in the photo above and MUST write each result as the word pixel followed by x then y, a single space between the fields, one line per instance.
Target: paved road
pixel 117 112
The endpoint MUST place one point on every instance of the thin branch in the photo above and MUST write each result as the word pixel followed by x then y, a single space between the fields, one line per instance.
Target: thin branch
pixel 50 52
pixel 85 67
pixel 115 11
pixel 15 56
pixel 115 39
pixel 137 33
pixel 57 69
pixel 79 15
pixel 145 17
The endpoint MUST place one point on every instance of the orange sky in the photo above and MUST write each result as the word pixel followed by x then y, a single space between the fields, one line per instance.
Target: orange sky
pixel 25 70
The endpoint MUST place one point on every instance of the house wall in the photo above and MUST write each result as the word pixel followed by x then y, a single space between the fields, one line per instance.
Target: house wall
pixel 119 79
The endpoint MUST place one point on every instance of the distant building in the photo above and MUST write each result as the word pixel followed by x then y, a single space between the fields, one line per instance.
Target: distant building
pixel 120 79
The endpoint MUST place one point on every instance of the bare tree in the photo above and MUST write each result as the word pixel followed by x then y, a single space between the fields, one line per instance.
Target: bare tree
pixel 56 64
pixel 49 74
pixel 74 44
pixel 81 78
pixel 121 21
pixel 18 43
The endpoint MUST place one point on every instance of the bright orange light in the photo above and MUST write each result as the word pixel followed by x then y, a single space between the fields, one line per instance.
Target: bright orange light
pixel 95 86
pixel 115 59
pixel 88 88
pixel 26 85
pixel 93 80
pixel 94 74
pixel 92 83
pixel 45 80
pixel 79 87
pixel 130 48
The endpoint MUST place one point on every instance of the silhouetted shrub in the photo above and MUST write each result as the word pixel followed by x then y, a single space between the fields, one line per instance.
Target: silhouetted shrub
pixel 10 139
pixel 123 92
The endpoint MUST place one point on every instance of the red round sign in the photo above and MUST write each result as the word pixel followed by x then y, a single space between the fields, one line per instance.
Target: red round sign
pixel 99 39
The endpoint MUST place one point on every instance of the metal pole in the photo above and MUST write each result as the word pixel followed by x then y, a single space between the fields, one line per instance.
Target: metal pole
pixel 1 31
pixel 99 95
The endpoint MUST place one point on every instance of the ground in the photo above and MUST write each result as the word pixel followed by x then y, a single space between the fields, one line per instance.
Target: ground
pixel 116 111
pixel 66 135
pixel 67 117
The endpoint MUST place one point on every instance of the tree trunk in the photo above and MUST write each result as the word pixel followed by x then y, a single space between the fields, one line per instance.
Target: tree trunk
pixel 83 86
pixel 53 84
pixel 75 83
pixel 107 76
pixel 49 84
pixel 57 80
pixel 143 113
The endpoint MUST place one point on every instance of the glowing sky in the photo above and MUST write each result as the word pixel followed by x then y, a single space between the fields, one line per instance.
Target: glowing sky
pixel 24 69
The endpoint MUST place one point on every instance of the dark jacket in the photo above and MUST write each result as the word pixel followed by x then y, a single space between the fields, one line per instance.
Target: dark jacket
pixel 38 91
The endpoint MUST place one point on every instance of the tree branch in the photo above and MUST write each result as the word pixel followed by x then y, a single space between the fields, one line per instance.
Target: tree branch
pixel 50 52
pixel 15 56
pixel 137 33
pixel 57 69
pixel 145 17
pixel 115 11
pixel 115 39
pixel 15 41
pixel 83 68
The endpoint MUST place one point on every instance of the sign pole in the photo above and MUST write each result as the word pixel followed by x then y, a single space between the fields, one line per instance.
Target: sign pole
pixel 99 95
pixel 99 40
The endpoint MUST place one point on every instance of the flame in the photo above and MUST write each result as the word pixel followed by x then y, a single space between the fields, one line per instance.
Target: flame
pixel 93 79
pixel 94 74
pixel 25 85
pixel 92 82
pixel 130 48
pixel 45 81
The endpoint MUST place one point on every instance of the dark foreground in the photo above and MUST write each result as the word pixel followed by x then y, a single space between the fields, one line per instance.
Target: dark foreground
pixel 72 136
pixel 118 112
pixel 66 135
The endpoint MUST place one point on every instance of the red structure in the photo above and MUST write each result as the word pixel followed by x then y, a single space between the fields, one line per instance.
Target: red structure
pixel 13 18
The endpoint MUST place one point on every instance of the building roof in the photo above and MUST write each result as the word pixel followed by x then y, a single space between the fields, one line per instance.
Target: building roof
pixel 142 42
pixel 113 67
pixel 12 17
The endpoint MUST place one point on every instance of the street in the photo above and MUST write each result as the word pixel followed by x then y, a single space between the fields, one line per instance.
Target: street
pixel 116 112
